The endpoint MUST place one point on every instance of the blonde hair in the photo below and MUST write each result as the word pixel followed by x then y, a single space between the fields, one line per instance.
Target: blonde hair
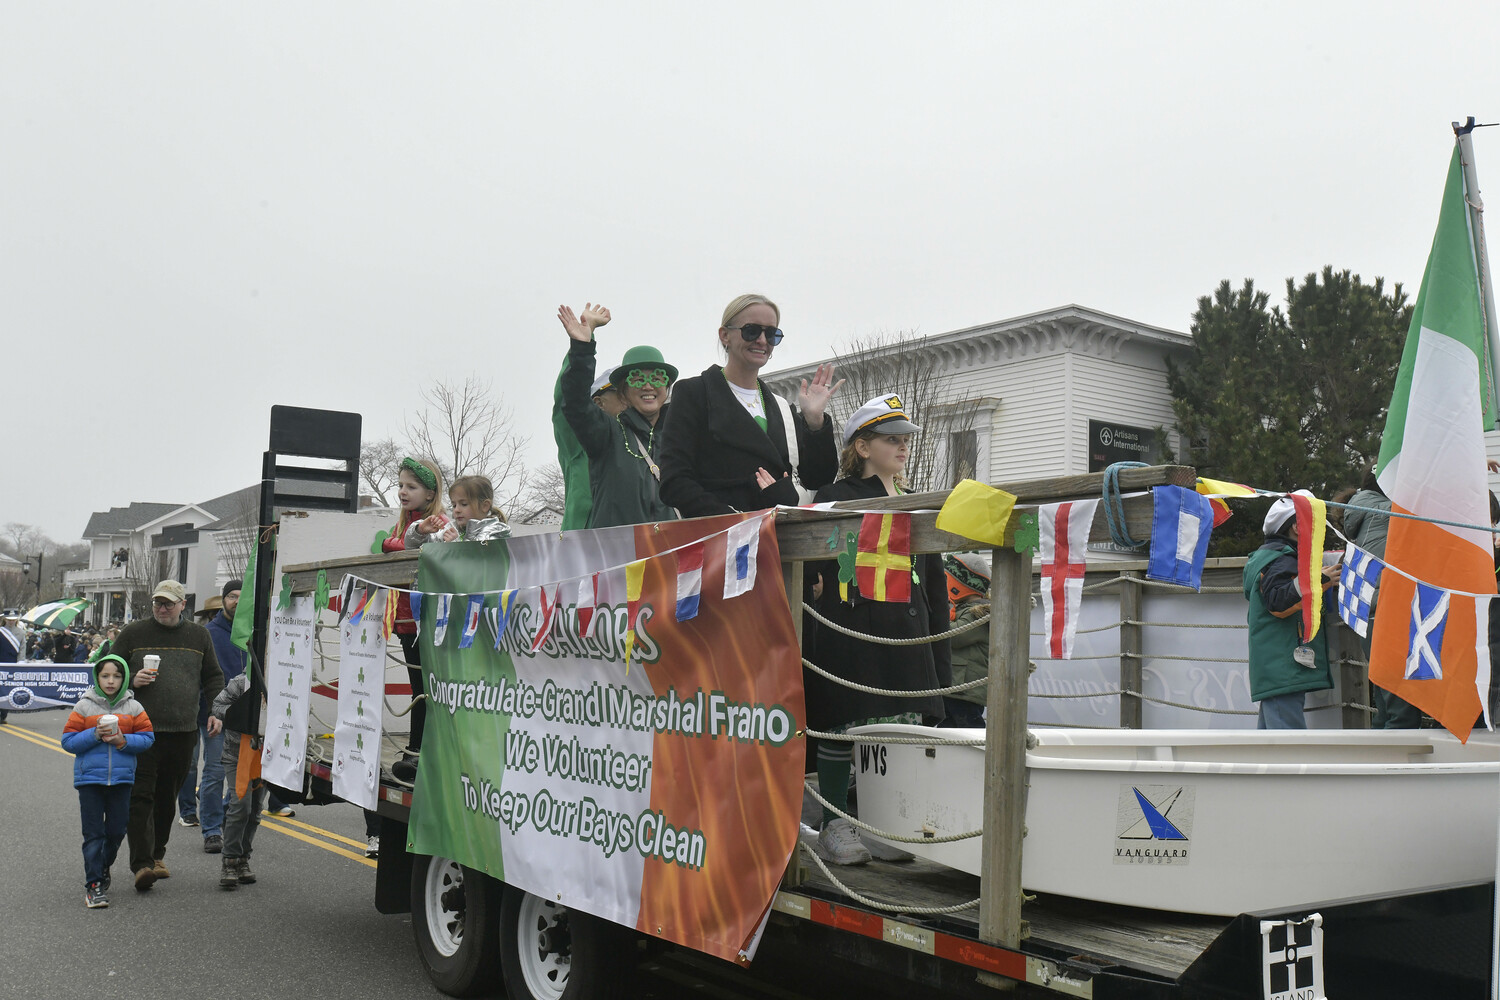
pixel 740 303
pixel 478 490
pixel 851 464
pixel 434 506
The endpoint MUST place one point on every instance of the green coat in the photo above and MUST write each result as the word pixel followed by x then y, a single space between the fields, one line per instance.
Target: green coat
pixel 971 651
pixel 624 491
pixel 578 496
pixel 1273 671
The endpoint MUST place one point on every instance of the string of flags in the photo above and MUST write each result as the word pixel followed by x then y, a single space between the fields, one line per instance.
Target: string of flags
pixel 742 545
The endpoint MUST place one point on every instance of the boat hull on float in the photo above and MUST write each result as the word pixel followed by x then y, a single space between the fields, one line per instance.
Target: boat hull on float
pixel 1206 821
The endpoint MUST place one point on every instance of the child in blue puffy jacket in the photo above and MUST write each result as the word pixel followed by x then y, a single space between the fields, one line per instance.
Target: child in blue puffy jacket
pixel 106 731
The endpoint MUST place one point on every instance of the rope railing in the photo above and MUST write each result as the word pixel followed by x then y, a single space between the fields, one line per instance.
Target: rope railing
pixel 893 692
pixel 918 741
pixel 876 904
pixel 880 640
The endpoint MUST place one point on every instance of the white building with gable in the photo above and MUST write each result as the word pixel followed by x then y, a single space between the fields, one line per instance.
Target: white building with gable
pixel 1054 393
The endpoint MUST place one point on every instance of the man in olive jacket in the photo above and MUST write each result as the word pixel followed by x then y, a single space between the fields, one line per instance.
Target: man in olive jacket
pixel 188 672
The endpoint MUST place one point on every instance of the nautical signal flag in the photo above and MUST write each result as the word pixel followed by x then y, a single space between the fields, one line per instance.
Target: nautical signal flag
pixel 549 611
pixel 388 618
pixel 1358 581
pixel 689 581
pixel 1063 552
pixel 1432 464
pixel 440 618
pixel 588 600
pixel 1181 523
pixel 1312 526
pixel 471 621
pixel 360 603
pixel 505 607
pixel 740 549
pixel 978 511
pixel 882 563
pixel 635 577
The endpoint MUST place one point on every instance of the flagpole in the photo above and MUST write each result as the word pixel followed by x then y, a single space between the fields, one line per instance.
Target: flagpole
pixel 1464 133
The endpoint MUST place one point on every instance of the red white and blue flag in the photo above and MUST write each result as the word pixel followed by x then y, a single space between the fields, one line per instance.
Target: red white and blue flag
pixel 1063 552
pixel 689 581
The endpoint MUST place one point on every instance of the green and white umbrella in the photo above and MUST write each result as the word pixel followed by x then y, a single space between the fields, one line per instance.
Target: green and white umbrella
pixel 56 614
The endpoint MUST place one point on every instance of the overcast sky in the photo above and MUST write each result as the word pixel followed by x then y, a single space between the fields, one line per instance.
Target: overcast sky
pixel 208 209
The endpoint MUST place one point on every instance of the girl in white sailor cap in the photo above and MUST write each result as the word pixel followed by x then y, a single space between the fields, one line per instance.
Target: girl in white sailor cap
pixel 877 442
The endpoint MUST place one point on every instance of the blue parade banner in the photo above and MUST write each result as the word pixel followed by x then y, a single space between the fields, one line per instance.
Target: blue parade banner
pixel 30 688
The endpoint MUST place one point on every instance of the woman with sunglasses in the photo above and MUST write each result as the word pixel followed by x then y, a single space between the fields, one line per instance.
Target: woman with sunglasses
pixel 734 445
pixel 622 450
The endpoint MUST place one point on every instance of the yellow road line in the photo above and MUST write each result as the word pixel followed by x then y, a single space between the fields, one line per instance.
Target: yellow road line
pixel 54 740
pixel 318 830
pixel 30 737
pixel 298 835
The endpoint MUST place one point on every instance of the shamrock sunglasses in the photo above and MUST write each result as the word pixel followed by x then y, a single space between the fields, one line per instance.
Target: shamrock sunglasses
pixel 640 378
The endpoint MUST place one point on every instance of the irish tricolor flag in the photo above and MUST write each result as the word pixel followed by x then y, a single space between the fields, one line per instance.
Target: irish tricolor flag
pixel 1429 648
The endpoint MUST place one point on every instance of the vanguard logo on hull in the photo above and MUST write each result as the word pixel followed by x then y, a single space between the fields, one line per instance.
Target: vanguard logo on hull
pixel 1154 824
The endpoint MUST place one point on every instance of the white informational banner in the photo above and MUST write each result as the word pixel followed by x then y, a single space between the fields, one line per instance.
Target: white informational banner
pixel 356 735
pixel 288 688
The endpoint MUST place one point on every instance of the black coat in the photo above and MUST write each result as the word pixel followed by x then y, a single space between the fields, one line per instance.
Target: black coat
pixel 912 668
pixel 711 447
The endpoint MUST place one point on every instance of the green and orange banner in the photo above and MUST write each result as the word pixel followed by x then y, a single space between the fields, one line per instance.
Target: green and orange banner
pixel 643 769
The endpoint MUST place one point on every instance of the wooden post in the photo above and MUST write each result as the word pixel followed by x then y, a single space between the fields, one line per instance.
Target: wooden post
pixel 791 577
pixel 1131 709
pixel 1353 680
pixel 1005 754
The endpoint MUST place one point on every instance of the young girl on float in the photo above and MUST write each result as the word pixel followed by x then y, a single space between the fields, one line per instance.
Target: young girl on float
pixel 475 517
pixel 877 442
pixel 419 488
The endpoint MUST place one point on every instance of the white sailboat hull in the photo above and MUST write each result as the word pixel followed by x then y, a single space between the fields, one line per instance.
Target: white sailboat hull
pixel 1203 821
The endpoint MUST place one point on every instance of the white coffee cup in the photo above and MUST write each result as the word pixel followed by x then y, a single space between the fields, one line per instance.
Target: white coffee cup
pixel 109 725
pixel 149 664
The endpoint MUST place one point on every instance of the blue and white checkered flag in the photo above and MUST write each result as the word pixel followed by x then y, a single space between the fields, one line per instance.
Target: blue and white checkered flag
pixel 1357 585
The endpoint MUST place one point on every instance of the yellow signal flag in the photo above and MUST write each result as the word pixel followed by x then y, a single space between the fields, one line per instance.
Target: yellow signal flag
pixel 978 511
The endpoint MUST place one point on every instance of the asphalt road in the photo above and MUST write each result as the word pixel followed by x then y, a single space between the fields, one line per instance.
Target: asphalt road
pixel 308 928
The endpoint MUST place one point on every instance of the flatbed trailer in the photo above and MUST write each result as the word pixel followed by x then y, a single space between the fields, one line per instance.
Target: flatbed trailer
pixel 1435 943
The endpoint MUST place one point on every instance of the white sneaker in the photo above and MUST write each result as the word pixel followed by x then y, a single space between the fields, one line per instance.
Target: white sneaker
pixel 882 851
pixel 372 847
pixel 838 842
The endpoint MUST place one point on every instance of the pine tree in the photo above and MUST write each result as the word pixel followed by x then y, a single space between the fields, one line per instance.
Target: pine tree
pixel 1288 399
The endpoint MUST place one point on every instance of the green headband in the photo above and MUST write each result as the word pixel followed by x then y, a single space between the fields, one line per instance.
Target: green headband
pixel 423 473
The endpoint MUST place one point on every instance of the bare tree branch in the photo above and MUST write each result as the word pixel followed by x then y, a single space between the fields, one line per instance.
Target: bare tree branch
pixel 467 430
pixel 545 497
pixel 895 363
pixel 378 461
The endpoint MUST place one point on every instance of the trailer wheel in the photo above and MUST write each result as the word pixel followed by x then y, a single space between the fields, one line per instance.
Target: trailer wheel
pixel 549 952
pixel 453 915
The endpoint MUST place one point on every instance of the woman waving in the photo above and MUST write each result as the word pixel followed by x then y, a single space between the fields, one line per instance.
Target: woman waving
pixel 730 443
